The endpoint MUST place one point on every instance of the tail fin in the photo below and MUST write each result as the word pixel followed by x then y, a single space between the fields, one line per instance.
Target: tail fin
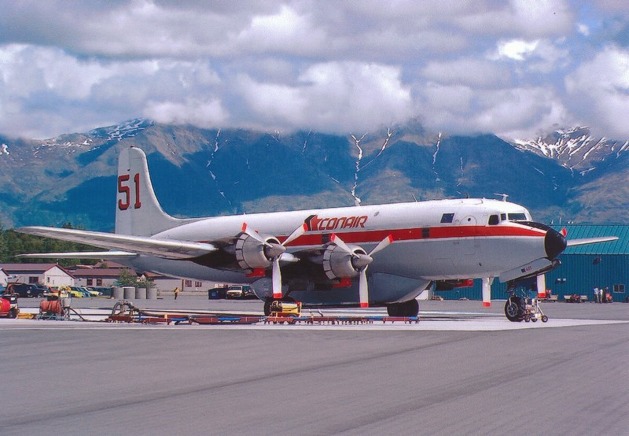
pixel 138 212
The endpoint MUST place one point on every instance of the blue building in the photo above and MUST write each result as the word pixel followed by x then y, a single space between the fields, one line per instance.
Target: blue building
pixel 584 267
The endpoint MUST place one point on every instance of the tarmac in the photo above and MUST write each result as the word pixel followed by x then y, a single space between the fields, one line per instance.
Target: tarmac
pixel 463 369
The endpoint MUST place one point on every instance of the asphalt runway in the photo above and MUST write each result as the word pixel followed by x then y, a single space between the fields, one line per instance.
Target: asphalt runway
pixel 567 376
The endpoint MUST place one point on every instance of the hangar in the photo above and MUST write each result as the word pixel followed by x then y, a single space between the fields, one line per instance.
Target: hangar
pixel 582 267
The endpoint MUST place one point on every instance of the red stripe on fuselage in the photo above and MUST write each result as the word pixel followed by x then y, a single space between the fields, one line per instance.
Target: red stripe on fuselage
pixel 420 233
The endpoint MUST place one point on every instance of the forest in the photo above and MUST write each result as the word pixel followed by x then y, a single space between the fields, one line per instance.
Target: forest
pixel 13 243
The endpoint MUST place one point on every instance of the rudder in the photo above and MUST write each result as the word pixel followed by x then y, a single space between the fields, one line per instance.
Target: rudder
pixel 138 211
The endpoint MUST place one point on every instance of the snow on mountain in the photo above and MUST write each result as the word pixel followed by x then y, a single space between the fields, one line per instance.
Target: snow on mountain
pixel 118 132
pixel 574 148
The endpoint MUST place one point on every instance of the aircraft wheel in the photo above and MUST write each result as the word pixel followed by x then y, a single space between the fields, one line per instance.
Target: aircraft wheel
pixel 393 309
pixel 513 309
pixel 412 308
pixel 407 308
pixel 267 306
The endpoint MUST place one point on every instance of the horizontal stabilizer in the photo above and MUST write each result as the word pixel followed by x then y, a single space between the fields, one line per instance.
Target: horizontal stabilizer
pixel 81 255
pixel 168 249
pixel 575 242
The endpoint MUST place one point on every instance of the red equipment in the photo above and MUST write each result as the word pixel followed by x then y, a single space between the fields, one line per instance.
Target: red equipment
pixel 8 306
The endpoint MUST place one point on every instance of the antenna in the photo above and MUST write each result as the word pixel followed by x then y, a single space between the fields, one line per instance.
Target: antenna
pixel 504 196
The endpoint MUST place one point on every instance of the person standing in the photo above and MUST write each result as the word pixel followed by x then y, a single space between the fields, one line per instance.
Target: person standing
pixel 597 295
pixel 176 292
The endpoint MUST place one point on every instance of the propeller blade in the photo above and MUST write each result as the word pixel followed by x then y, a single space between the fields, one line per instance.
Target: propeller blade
pixel 339 242
pixel 363 288
pixel 296 234
pixel 277 279
pixel 382 244
pixel 249 231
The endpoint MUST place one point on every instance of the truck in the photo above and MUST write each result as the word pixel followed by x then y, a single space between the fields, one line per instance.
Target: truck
pixel 239 292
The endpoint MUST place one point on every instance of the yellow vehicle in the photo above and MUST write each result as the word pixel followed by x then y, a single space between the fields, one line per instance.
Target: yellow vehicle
pixel 285 308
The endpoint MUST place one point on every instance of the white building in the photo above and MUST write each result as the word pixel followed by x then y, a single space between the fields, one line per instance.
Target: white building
pixel 49 274
pixel 3 278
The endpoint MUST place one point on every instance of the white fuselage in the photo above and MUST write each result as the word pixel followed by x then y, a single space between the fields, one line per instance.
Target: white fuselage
pixel 432 240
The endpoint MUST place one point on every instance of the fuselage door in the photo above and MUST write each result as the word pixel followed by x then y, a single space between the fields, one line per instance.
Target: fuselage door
pixel 469 242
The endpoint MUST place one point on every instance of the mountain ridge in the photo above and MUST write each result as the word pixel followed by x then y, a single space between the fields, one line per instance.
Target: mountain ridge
pixel 201 172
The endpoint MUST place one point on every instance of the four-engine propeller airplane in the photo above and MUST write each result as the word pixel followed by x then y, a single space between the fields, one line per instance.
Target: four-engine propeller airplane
pixel 380 255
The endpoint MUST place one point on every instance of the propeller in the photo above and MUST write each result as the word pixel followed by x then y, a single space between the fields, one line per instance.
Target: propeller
pixel 361 262
pixel 274 251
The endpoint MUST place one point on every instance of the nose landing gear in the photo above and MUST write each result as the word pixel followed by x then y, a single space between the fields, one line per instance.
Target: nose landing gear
pixel 523 308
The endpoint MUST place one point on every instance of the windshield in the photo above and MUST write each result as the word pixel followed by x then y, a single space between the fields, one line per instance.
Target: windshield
pixel 517 217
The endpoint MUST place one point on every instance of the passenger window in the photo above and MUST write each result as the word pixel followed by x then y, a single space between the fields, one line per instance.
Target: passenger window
pixel 447 218
pixel 503 217
pixel 494 220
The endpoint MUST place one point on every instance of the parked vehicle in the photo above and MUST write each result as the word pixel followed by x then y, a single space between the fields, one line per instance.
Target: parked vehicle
pixel 93 292
pixel 85 291
pixel 26 290
pixel 103 291
pixel 75 292
pixel 239 291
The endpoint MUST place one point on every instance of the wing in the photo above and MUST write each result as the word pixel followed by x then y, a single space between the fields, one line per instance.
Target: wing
pixel 130 245
pixel 81 255
pixel 575 242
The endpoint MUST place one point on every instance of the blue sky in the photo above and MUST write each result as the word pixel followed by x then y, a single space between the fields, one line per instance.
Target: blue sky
pixel 517 68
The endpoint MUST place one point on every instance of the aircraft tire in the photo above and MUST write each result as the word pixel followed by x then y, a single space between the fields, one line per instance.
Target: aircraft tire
pixel 513 309
pixel 412 308
pixel 393 309
pixel 267 306
pixel 407 308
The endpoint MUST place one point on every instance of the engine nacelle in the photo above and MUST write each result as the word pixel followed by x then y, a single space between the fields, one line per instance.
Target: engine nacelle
pixel 252 254
pixel 338 263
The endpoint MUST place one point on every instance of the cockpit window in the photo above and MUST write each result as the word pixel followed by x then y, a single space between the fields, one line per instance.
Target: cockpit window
pixel 494 220
pixel 517 217
pixel 503 217
pixel 447 218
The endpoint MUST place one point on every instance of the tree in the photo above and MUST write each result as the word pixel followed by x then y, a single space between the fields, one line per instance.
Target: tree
pixel 126 278
pixel 13 243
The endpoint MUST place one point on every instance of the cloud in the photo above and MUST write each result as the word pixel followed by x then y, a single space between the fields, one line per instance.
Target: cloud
pixel 599 90
pixel 293 64
pixel 516 49
pixel 201 113
pixel 333 97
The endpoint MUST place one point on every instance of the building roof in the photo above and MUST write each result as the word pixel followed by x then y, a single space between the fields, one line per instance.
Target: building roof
pixel 621 246
pixel 101 273
pixel 108 273
pixel 31 268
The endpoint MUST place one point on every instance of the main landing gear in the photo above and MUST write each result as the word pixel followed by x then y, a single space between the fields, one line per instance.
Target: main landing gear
pixel 406 308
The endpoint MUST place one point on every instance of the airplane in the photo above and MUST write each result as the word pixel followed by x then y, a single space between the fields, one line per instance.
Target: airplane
pixel 368 255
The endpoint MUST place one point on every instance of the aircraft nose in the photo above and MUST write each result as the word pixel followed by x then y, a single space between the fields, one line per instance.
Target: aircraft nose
pixel 554 243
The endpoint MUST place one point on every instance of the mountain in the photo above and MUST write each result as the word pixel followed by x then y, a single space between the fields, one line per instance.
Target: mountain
pixel 198 172
pixel 575 148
